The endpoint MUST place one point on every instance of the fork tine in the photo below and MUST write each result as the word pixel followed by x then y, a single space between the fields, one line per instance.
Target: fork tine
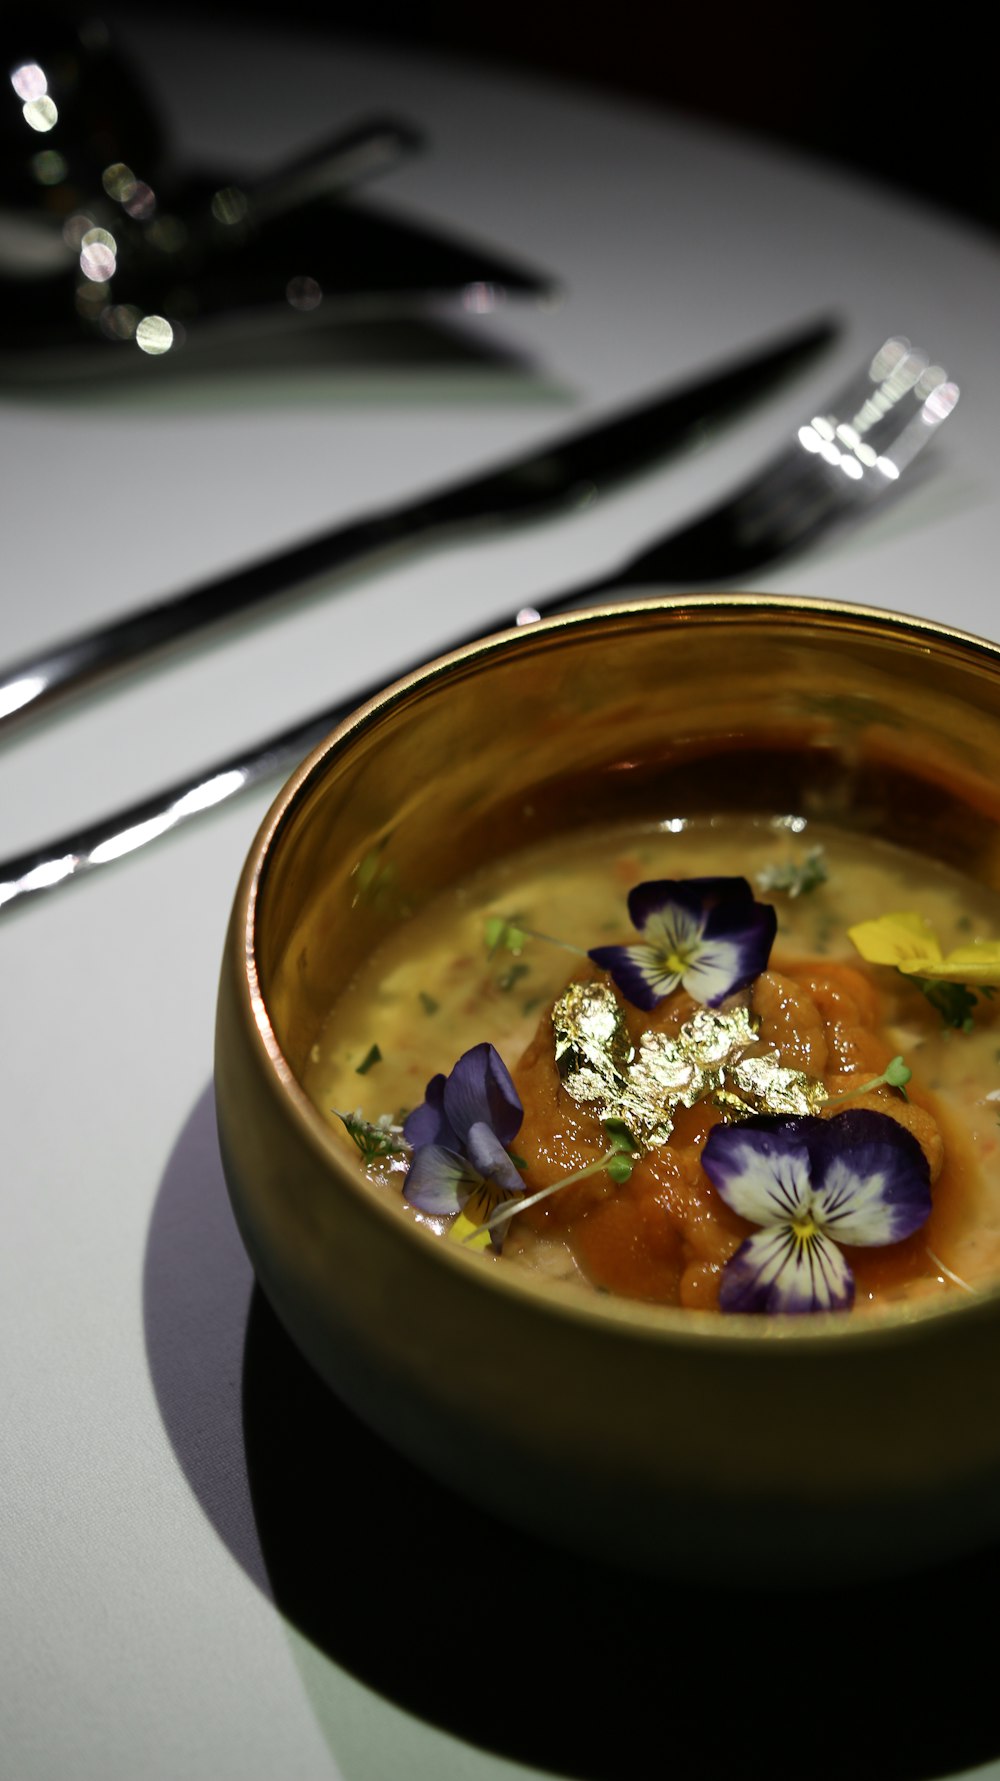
pixel 841 459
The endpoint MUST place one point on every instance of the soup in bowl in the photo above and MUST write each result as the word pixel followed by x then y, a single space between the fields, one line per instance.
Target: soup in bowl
pixel 605 1073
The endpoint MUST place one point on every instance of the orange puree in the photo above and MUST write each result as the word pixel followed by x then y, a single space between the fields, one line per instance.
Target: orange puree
pixel 665 1234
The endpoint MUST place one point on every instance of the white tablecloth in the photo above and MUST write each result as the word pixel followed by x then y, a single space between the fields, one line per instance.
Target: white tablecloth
pixel 139 1627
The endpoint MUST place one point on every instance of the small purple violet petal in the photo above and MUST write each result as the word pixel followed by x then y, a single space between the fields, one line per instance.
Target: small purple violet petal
pixel 427 1123
pixel 673 931
pixel 438 1181
pixel 480 1090
pixel 717 969
pixel 706 933
pixel 742 932
pixel 489 1158
pixel 775 1271
pixel 696 897
pixel 638 972
pixel 761 1167
pixel 871 1176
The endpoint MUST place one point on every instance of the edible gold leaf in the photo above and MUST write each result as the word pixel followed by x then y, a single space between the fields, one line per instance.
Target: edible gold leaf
pixel 593 1049
pixel 590 1028
pixel 601 1069
pixel 765 1085
pixel 672 1072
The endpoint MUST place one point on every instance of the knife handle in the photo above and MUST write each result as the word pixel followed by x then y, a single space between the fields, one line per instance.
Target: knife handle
pixel 127 830
pixel 547 480
pixel 38 682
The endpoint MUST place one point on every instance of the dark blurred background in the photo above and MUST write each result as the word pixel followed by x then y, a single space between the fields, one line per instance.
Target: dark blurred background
pixel 912 103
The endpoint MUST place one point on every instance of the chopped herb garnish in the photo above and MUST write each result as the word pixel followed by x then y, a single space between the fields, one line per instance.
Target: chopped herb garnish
pixel 795 877
pixel 823 936
pixel 896 1074
pixel 427 1002
pixel 372 1056
pixel 512 975
pixel 953 1001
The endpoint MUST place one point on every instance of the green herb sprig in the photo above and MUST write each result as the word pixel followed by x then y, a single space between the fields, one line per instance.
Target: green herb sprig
pixel 795 877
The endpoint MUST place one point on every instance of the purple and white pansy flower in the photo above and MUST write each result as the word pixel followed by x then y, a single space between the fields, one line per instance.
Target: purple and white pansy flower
pixel 459 1135
pixel 812 1184
pixel 706 935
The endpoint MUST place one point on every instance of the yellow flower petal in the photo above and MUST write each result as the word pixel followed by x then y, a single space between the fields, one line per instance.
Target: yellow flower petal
pixel 904 939
pixel 468 1231
pixel 975 963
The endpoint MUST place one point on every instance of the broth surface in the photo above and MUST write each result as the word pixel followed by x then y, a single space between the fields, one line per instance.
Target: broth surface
pixel 433 990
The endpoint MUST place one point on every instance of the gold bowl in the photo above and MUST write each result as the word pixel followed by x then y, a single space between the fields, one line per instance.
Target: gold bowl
pixel 781 1450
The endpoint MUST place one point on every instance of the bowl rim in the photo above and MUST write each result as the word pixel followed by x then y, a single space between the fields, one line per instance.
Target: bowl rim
pixel 675 1325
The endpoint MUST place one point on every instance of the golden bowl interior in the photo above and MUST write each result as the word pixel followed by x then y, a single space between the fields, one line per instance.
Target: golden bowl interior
pixel 549 1407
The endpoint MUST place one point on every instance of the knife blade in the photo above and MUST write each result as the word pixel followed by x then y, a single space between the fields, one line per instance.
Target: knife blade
pixel 533 486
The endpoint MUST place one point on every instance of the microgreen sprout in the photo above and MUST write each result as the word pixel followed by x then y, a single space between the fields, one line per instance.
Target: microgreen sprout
pixel 896 1074
pixel 617 1163
pixel 503 933
pixel 508 933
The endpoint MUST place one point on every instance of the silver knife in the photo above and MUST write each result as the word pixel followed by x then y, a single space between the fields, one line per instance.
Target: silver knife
pixel 545 480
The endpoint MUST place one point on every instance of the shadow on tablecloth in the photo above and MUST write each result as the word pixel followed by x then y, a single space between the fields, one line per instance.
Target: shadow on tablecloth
pixel 541 1657
pixel 196 1288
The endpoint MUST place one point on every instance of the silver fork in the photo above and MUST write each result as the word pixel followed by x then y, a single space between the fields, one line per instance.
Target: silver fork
pixel 842 460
